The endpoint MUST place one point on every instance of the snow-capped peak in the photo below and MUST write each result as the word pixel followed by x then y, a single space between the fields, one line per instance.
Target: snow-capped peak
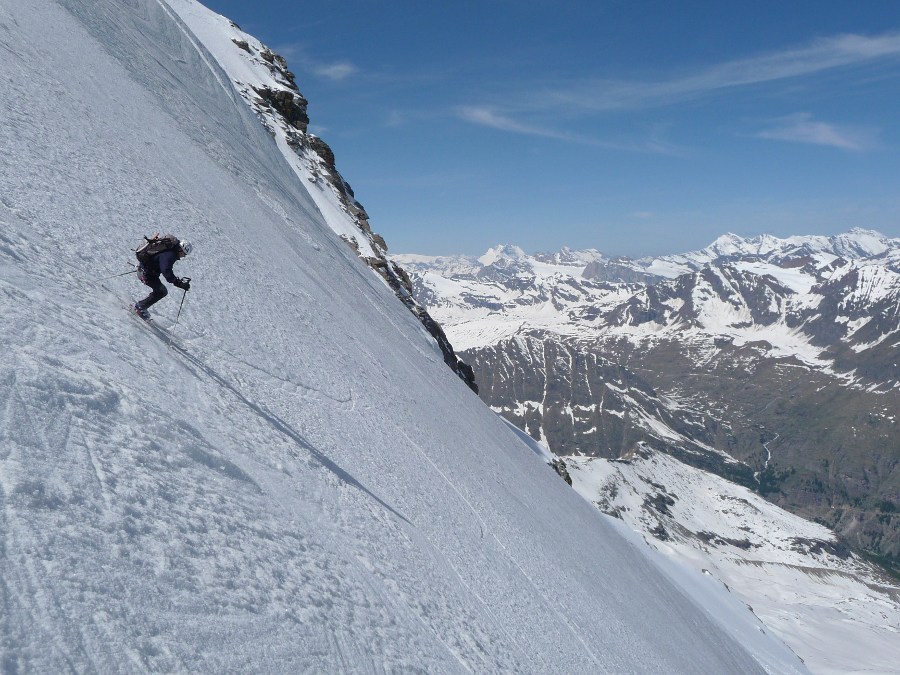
pixel 501 252
pixel 861 243
pixel 727 244
pixel 570 257
pixel 855 244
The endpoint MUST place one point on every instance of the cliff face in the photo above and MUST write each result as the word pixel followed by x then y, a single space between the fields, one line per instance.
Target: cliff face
pixel 264 81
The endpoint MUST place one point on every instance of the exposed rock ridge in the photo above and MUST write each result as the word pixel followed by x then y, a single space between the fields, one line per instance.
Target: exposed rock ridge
pixel 282 107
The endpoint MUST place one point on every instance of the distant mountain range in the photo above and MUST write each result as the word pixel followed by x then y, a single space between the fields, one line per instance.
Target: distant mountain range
pixel 773 362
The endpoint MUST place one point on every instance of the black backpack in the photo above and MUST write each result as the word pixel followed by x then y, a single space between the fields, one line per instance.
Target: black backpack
pixel 155 245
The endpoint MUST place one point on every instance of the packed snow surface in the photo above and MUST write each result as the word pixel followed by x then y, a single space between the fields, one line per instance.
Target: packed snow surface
pixel 295 482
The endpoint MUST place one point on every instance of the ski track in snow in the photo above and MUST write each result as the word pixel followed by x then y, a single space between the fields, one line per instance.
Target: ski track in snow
pixel 289 483
pixel 482 530
pixel 229 90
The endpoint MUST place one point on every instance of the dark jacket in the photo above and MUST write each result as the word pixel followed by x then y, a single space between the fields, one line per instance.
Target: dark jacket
pixel 162 264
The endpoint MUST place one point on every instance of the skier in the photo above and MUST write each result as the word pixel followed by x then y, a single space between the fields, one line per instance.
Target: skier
pixel 156 257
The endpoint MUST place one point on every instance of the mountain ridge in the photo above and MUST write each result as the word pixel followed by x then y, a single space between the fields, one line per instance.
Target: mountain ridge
pixel 857 243
pixel 724 293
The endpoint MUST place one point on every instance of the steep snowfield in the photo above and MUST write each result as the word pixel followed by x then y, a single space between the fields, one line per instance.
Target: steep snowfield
pixel 248 73
pixel 297 483
pixel 822 600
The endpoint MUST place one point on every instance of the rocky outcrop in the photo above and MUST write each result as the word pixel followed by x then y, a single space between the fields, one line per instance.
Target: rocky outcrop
pixel 282 107
pixel 578 401
pixel 616 270
pixel 290 105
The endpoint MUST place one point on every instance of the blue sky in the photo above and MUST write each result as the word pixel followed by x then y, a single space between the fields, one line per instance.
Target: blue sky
pixel 635 127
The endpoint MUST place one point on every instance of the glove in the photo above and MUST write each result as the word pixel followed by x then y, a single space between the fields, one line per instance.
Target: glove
pixel 184 283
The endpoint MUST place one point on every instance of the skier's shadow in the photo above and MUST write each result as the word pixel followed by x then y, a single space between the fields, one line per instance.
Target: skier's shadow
pixel 275 421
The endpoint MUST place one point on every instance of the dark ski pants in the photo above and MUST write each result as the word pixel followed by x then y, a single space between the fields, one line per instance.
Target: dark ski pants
pixel 159 291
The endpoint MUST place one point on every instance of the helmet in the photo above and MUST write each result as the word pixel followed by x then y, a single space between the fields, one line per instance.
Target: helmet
pixel 186 246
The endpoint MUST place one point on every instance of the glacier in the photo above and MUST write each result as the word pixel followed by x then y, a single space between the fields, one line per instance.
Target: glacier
pixel 293 481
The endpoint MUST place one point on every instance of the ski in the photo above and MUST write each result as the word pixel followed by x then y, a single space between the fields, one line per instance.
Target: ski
pixel 143 315
pixel 153 327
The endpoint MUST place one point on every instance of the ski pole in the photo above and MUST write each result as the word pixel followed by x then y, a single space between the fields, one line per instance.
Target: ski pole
pixel 117 275
pixel 177 316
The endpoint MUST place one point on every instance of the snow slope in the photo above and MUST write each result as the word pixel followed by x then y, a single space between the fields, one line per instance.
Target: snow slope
pixel 296 483
pixel 825 602
pixel 249 71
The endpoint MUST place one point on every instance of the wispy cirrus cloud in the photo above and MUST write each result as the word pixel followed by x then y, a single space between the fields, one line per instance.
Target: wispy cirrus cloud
pixel 335 71
pixel 490 117
pixel 822 55
pixel 586 97
pixel 802 128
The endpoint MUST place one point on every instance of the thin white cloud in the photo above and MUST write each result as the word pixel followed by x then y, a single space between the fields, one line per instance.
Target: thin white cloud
pixel 586 97
pixel 820 56
pixel 489 117
pixel 335 71
pixel 298 53
pixel 802 128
